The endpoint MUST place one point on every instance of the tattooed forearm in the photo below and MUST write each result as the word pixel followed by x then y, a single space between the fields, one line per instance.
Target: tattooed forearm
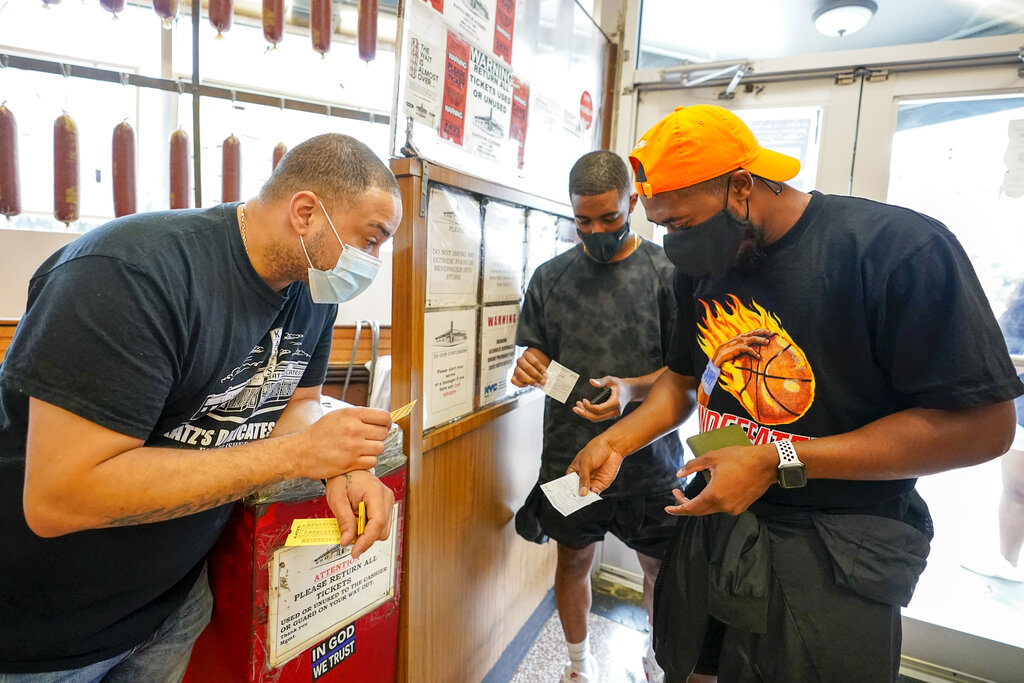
pixel 162 514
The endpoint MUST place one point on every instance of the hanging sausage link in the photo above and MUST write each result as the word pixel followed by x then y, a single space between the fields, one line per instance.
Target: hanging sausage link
pixel 65 169
pixel 166 10
pixel 273 21
pixel 221 15
pixel 279 151
pixel 113 6
pixel 231 176
pixel 367 30
pixel 321 25
pixel 181 196
pixel 10 195
pixel 124 169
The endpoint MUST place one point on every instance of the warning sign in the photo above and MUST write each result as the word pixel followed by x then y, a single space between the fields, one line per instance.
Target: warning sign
pixel 317 589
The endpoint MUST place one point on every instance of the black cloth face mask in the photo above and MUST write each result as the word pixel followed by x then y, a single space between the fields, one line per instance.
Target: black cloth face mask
pixel 708 249
pixel 603 246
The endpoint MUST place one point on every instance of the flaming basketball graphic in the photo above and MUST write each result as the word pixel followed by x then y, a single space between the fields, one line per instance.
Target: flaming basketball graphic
pixel 776 389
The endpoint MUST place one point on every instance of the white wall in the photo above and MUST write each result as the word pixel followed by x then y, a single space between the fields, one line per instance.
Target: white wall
pixel 21 252
pixel 375 302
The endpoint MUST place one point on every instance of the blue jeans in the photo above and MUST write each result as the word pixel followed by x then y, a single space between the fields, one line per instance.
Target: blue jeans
pixel 162 658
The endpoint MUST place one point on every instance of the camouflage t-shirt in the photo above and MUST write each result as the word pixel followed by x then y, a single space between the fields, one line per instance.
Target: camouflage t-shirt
pixel 602 319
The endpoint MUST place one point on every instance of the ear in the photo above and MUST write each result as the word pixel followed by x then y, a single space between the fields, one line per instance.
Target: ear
pixel 740 184
pixel 632 201
pixel 301 208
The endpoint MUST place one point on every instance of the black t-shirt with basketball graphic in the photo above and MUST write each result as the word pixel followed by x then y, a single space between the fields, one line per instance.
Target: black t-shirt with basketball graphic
pixel 870 309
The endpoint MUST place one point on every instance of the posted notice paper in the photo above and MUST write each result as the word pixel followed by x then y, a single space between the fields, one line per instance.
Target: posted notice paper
pixel 564 494
pixel 560 382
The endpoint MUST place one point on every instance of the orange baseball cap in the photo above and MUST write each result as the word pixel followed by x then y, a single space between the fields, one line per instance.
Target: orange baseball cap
pixel 698 143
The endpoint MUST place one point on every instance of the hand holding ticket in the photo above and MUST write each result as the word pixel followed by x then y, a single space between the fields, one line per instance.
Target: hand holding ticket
pixel 560 381
pixel 564 494
pixel 398 413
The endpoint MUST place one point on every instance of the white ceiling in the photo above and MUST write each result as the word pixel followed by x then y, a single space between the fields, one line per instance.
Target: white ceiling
pixel 698 30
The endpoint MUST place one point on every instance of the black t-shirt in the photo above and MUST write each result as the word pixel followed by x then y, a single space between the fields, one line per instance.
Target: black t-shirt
pixel 875 309
pixel 602 319
pixel 155 326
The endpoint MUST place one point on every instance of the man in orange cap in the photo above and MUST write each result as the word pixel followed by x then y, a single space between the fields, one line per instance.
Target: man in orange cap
pixel 853 344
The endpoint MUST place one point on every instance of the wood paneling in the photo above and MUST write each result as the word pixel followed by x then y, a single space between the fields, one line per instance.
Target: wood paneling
pixel 7 326
pixel 341 349
pixel 474 582
pixel 469 582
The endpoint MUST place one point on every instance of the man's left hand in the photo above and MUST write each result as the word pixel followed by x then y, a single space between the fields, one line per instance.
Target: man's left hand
pixel 344 494
pixel 612 407
pixel 739 476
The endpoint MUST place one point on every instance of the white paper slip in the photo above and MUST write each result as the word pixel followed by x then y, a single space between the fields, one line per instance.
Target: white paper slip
pixel 560 382
pixel 564 494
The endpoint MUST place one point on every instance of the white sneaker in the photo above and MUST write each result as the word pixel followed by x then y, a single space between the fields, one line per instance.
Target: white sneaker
pixel 654 673
pixel 570 675
pixel 996 566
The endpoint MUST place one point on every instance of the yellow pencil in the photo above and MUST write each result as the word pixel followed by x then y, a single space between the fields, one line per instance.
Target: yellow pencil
pixel 361 521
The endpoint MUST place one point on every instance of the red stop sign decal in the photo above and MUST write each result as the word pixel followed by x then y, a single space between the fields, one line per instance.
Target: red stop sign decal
pixel 586 109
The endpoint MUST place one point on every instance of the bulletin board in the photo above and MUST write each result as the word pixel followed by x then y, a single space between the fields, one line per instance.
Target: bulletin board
pixel 480 255
pixel 511 90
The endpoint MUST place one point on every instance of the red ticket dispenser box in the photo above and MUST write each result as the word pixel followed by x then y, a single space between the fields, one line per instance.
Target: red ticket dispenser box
pixel 300 613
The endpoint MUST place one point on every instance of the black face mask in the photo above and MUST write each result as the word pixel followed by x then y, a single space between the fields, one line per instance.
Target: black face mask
pixel 603 246
pixel 709 249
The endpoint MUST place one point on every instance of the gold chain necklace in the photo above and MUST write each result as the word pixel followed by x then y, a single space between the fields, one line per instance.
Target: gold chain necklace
pixel 241 224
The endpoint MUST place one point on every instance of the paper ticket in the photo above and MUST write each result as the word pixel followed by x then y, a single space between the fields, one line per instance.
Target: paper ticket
pixel 321 531
pixel 560 382
pixel 564 494
pixel 398 413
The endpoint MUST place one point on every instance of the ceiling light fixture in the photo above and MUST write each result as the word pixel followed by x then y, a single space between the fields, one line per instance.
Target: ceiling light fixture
pixel 838 18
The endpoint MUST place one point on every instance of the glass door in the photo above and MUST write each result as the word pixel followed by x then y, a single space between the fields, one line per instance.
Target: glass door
pixel 960 158
pixel 950 144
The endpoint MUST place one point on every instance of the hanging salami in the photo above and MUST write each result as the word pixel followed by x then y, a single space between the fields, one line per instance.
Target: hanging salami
pixel 113 6
pixel 231 175
pixel 65 169
pixel 367 30
pixel 180 172
pixel 279 151
pixel 273 21
pixel 166 10
pixel 321 25
pixel 124 169
pixel 10 195
pixel 221 15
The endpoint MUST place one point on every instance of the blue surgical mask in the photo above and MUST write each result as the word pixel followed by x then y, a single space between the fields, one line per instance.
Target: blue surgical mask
pixel 354 272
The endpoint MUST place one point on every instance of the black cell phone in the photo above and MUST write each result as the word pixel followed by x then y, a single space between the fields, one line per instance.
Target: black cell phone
pixel 602 396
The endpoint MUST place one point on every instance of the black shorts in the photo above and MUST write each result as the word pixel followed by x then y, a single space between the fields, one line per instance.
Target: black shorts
pixel 640 523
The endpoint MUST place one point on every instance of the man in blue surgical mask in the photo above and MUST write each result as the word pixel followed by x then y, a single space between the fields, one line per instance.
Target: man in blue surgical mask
pixel 604 308
pixel 167 365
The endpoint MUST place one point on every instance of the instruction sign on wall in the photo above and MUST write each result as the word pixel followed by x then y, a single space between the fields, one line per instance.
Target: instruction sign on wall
pixel 449 364
pixel 316 590
pixel 453 248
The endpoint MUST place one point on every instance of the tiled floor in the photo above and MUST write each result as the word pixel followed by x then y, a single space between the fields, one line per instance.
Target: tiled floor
pixel 618 650
pixel 618 635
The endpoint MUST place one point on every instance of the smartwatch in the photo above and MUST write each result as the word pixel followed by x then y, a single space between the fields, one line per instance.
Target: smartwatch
pixel 791 473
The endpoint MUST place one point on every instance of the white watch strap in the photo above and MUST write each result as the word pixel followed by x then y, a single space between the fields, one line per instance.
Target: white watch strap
pixel 787 454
